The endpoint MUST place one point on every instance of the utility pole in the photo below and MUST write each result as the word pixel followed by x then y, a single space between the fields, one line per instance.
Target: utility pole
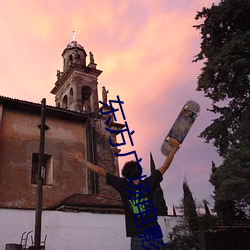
pixel 41 171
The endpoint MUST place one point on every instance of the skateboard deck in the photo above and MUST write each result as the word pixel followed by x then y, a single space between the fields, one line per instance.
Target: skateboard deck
pixel 182 125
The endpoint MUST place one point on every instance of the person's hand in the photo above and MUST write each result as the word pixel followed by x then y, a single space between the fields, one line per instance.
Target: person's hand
pixel 175 144
pixel 77 155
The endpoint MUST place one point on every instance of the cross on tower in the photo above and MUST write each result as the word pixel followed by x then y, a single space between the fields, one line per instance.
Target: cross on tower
pixel 74 35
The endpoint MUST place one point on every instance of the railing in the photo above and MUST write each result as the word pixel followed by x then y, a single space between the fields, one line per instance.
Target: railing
pixel 227 223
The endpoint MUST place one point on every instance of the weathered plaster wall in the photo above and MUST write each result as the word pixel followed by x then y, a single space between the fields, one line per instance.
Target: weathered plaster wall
pixel 19 138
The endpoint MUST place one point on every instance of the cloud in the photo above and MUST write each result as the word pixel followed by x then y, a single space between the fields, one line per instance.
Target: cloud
pixel 145 50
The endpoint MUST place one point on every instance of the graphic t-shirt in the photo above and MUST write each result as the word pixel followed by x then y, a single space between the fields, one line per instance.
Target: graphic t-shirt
pixel 140 213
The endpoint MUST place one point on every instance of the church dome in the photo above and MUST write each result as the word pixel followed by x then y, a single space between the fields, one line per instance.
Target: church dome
pixel 74 44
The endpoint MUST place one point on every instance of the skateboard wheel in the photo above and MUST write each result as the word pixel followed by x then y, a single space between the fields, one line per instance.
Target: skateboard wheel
pixel 195 115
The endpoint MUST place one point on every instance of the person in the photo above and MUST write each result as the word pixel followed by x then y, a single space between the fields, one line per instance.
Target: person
pixel 136 194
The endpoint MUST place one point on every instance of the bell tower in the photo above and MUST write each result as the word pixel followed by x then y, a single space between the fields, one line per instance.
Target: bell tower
pixel 76 86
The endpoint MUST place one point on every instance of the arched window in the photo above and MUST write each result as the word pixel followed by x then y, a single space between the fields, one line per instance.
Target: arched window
pixel 86 93
pixel 65 102
pixel 71 98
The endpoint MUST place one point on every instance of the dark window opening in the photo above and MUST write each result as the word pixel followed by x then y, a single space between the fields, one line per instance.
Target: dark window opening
pixel 65 102
pixel 48 162
pixel 86 93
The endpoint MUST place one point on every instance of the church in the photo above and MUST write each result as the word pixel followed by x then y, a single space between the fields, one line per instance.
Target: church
pixel 75 122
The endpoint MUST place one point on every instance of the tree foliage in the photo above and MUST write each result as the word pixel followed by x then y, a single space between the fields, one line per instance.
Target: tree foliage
pixel 186 234
pixel 225 79
pixel 189 207
pixel 182 237
pixel 225 51
pixel 232 179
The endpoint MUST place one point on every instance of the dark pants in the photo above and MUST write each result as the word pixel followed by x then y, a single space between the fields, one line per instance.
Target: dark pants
pixel 141 244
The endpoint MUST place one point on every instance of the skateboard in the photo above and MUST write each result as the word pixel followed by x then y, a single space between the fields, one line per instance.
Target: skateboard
pixel 182 125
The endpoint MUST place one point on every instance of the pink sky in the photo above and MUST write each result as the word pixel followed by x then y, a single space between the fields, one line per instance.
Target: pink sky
pixel 144 48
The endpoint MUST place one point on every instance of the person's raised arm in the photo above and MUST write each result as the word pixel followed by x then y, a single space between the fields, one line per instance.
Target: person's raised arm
pixel 79 157
pixel 174 147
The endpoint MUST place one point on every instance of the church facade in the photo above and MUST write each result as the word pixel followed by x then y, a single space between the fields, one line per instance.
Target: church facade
pixel 75 122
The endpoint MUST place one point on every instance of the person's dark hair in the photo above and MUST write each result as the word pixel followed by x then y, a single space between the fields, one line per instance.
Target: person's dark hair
pixel 131 170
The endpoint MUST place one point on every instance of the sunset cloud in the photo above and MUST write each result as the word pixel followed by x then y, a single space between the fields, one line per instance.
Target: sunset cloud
pixel 145 50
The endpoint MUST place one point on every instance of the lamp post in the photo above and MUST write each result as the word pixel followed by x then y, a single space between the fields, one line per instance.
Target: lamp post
pixel 41 176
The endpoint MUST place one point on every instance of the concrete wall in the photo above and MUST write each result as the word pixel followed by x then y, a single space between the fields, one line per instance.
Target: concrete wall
pixel 72 231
